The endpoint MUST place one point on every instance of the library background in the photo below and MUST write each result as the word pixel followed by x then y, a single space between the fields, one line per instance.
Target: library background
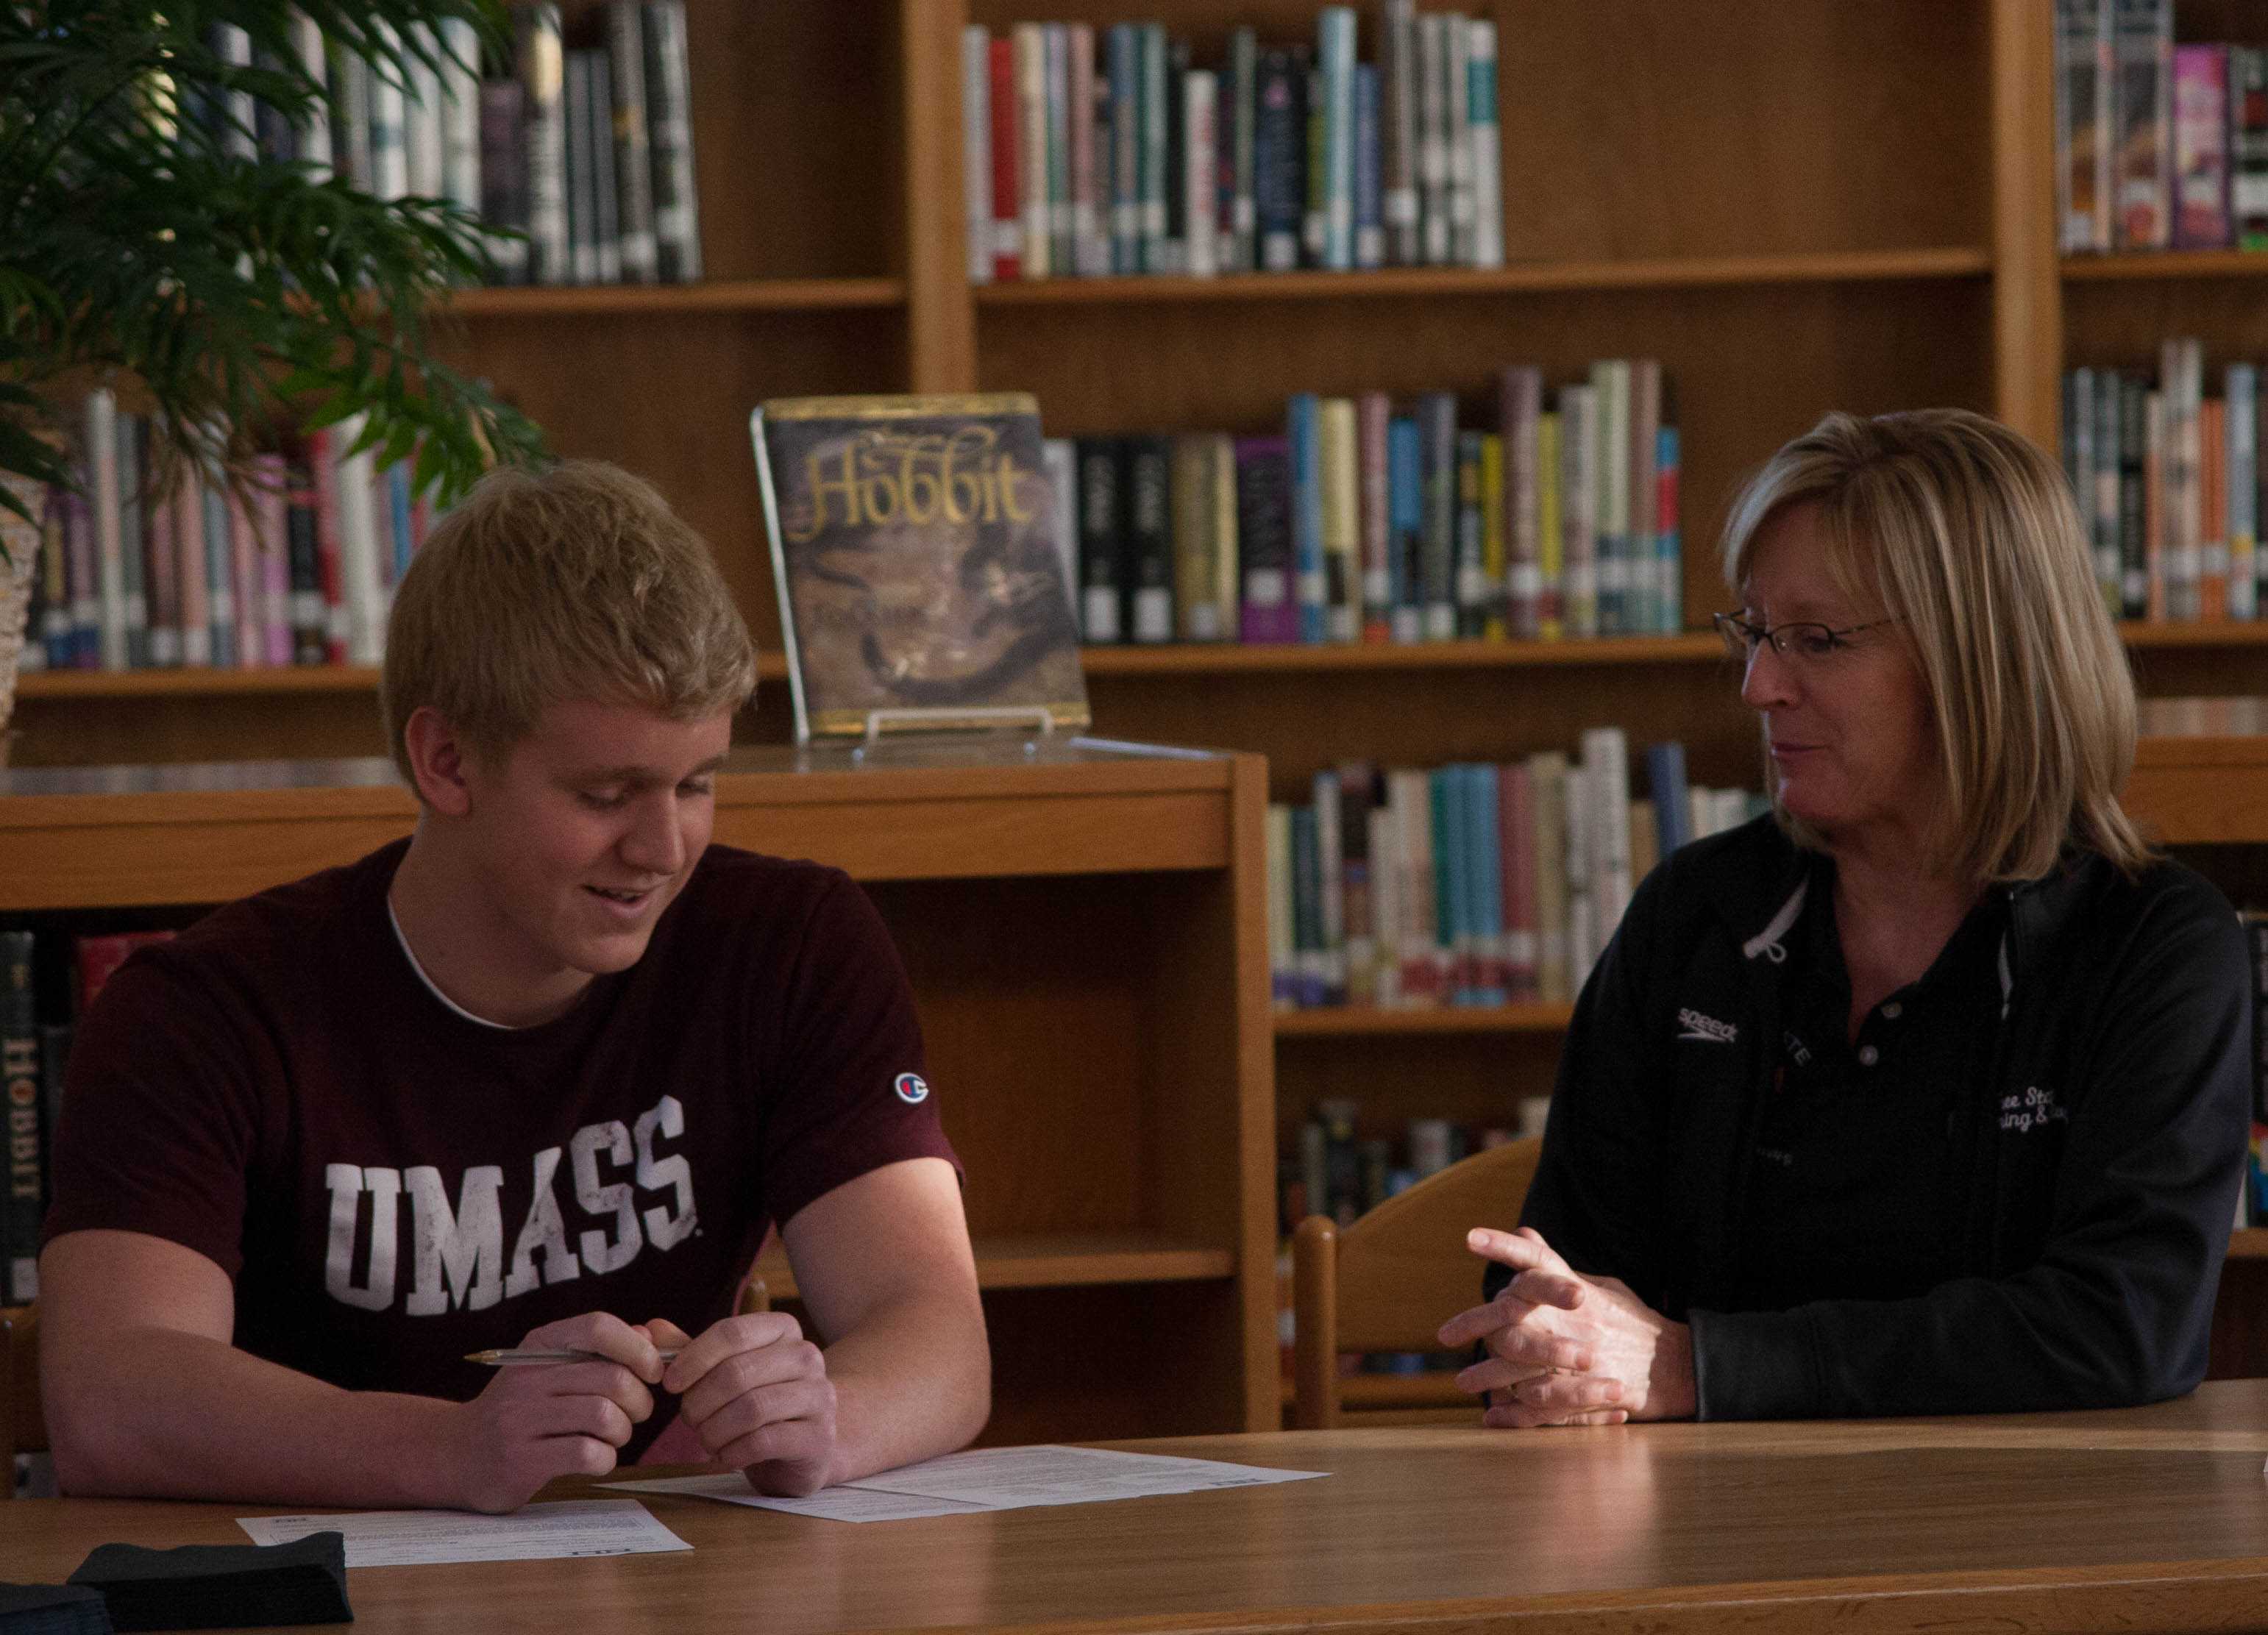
pixel 1516 293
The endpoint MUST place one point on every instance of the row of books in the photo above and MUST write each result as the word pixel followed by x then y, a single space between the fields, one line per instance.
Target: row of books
pixel 2158 145
pixel 587 152
pixel 1336 1170
pixel 1472 884
pixel 1091 152
pixel 37 1008
pixel 1366 520
pixel 154 563
pixel 2169 481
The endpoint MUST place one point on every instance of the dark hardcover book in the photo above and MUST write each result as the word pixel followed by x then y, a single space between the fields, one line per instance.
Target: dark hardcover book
pixel 2142 159
pixel 1240 92
pixel 1369 179
pixel 669 117
pixel 582 171
pixel 55 1057
pixel 1124 76
pixel 133 514
pixel 541 62
pixel 1357 789
pixel 19 1074
pixel 503 178
pixel 1280 158
pixel 1473 597
pixel 2248 140
pixel 1263 539
pixel 606 215
pixel 1149 555
pixel 1177 249
pixel 913 553
pixel 2133 495
pixel 1101 542
pixel 302 559
pixel 633 142
pixel 1307 908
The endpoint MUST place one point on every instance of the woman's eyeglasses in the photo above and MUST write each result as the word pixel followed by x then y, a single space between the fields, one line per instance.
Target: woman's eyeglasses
pixel 1805 639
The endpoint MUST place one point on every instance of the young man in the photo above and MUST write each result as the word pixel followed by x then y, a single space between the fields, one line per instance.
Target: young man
pixel 539 1075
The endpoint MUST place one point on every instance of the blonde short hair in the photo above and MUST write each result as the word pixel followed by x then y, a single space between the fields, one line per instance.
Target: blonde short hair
pixel 537 589
pixel 1966 535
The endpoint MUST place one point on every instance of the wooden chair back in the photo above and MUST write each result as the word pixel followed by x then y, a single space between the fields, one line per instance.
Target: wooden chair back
pixel 1387 1282
pixel 23 1427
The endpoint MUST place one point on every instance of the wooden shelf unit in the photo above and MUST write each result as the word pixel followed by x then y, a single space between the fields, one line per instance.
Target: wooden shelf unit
pixel 1086 932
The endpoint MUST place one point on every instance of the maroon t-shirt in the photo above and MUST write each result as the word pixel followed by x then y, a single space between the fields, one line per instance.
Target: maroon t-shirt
pixel 391 1185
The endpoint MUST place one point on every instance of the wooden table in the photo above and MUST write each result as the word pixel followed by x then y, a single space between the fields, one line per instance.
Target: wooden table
pixel 2153 1519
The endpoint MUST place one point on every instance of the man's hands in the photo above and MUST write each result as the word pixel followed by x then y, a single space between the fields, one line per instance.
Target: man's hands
pixel 754 1390
pixel 1564 1349
pixel 757 1393
pixel 548 1420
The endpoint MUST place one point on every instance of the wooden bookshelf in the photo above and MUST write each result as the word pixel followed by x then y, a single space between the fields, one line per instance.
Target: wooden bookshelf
pixel 1085 932
pixel 740 295
pixel 1373 1022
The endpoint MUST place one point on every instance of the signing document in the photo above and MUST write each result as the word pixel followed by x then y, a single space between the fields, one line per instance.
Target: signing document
pixel 987 1478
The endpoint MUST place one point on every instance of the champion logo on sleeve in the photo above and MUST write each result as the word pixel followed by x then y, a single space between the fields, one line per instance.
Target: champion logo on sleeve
pixel 912 1089
pixel 1706 1029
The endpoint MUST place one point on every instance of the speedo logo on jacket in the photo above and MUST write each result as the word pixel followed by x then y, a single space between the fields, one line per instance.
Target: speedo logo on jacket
pixel 457 1250
pixel 1707 1029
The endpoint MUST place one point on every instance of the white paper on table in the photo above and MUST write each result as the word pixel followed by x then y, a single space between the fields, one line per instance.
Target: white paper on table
pixel 991 1478
pixel 847 1503
pixel 402 1538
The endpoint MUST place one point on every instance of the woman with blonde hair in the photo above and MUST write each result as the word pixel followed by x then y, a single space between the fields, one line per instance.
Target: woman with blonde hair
pixel 1928 1093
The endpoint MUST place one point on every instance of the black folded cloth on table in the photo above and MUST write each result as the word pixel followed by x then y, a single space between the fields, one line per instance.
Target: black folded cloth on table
pixel 51 1609
pixel 204 1586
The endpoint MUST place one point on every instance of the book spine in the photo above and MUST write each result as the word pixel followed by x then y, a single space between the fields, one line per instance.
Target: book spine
pixel 1335 52
pixel 2212 493
pixel 1311 583
pixel 360 595
pixel 1227 534
pixel 503 178
pixel 1125 81
pixel 1398 131
pixel 460 113
pixel 2243 391
pixel 308 622
pixel 541 61
pixel 1673 805
pixel 161 568
pixel 1355 786
pixel 1369 195
pixel 1314 168
pixel 1342 482
pixel 221 601
pixel 1090 241
pixel 1199 145
pixel 582 172
pixel 1484 881
pixel 1031 58
pixel 1516 856
pixel 133 535
pixel 1007 190
pixel 192 574
pixel 1437 432
pixel 1193 543
pixel 1372 413
pixel 422 113
pixel 669 94
pixel 1520 398
pixel 1101 530
pixel 2201 147
pixel 51 635
pixel 1648 591
pixel 2143 110
pixel 633 132
pixel 1244 208
pixel 2098 500
pixel 1578 446
pixel 1278 144
pixel 2247 94
pixel 1457 137
pixel 2080 93
pixel 1611 516
pixel 19 1074
pixel 1472 566
pixel 86 627
pixel 244 585
pixel 1493 624
pixel 1062 245
pixel 605 185
pixel 1150 150
pixel 1282 943
pixel 1061 459
pixel 2134 452
pixel 1483 144
pixel 102 444
pixel 975 146
pixel 1670 547
pixel 1263 531
pixel 1172 175
pixel 1547 778
pixel 1330 891
pixel 1405 521
pixel 349 81
pixel 2155 465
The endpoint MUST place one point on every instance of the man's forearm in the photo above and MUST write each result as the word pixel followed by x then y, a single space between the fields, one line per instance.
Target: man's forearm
pixel 160 1413
pixel 913 1382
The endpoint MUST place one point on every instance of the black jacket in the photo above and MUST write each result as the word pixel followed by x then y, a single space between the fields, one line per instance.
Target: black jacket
pixel 2102 1145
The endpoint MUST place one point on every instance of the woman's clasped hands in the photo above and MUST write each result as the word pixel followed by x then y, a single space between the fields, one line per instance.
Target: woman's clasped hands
pixel 1567 1348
